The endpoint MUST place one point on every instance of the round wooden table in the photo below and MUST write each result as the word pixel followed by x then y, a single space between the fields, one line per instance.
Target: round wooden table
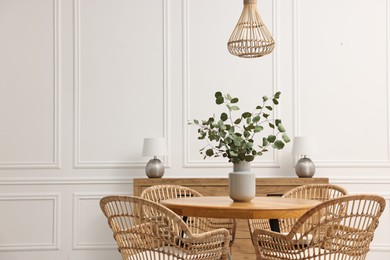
pixel 225 207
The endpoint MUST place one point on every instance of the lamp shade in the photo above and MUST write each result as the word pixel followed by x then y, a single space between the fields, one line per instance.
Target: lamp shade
pixel 303 145
pixel 250 37
pixel 154 146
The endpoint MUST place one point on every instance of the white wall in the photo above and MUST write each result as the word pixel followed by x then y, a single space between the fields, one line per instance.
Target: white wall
pixel 82 83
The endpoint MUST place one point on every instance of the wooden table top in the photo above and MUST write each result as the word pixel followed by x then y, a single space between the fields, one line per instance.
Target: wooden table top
pixel 225 207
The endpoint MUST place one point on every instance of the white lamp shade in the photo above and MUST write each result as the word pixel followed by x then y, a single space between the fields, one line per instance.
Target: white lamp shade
pixel 303 145
pixel 154 146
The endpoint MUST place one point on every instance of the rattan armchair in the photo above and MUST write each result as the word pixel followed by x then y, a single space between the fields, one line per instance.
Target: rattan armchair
pixel 196 224
pixel 320 192
pixel 337 229
pixel 146 230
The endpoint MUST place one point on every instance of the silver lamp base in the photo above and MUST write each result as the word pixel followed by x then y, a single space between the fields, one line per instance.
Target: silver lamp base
pixel 154 168
pixel 305 168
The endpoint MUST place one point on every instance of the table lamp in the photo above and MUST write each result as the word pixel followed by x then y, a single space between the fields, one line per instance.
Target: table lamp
pixel 304 146
pixel 154 147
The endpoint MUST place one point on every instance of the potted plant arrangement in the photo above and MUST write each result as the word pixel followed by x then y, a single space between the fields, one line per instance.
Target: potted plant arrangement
pixel 240 138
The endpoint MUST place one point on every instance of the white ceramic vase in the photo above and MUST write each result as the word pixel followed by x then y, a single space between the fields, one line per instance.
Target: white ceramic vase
pixel 242 183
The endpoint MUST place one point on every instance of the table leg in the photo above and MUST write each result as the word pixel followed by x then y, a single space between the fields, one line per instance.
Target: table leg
pixel 274 224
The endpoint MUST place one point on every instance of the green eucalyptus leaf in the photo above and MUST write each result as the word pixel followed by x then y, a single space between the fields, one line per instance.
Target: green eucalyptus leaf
pixel 275 101
pixel 228 140
pixel 258 128
pixel 271 125
pixel 246 115
pixel 235 108
pixel 249 158
pixel 228 97
pixel 285 138
pixel 248 145
pixel 269 108
pixel 233 153
pixel 281 128
pixel 256 119
pixel 265 115
pixel 237 142
pixel 224 116
pixel 259 107
pixel 265 98
pixel 209 152
pixel 265 141
pixel 277 122
pixel 278 145
pixel 218 94
pixel 219 100
pixel 237 121
pixel 234 100
pixel 271 138
pixel 277 94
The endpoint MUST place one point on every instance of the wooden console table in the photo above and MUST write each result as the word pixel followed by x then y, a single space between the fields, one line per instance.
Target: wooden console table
pixel 242 248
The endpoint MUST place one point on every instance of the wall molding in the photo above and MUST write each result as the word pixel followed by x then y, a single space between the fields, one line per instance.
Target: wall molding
pixel 187 162
pixel 76 244
pixel 66 181
pixel 77 160
pixel 372 180
pixel 55 243
pixel 296 99
pixel 55 163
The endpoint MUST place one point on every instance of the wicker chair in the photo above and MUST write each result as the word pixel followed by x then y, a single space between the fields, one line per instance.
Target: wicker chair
pixel 340 228
pixel 197 225
pixel 320 192
pixel 146 230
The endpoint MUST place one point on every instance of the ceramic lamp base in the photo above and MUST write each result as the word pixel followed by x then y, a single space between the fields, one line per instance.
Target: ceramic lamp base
pixel 154 168
pixel 305 168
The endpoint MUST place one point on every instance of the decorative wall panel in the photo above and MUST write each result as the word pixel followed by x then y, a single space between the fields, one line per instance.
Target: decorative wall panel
pixel 205 38
pixel 121 76
pixel 29 84
pixel 29 222
pixel 341 84
pixel 90 227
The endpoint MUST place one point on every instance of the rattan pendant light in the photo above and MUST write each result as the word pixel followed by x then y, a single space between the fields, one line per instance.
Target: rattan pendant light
pixel 250 38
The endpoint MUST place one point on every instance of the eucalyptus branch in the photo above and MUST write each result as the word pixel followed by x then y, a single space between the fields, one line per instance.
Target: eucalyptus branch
pixel 238 144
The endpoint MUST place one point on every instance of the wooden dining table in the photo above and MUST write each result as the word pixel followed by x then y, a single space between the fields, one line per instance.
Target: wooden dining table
pixel 272 208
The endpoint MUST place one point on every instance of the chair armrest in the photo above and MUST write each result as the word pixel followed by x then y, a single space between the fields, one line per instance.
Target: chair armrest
pixel 218 238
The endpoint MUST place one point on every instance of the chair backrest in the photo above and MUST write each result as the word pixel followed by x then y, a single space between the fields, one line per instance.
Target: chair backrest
pixel 158 193
pixel 320 192
pixel 338 227
pixel 142 227
pixel 162 192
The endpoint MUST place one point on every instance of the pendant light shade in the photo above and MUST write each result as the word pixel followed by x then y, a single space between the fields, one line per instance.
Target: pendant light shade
pixel 250 38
